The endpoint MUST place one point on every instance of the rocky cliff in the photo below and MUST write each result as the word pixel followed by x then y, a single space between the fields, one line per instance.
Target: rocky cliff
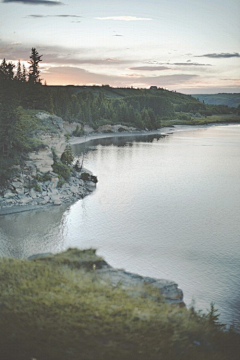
pixel 35 184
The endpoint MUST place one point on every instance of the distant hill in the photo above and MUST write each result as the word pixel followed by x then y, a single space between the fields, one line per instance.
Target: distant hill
pixel 231 100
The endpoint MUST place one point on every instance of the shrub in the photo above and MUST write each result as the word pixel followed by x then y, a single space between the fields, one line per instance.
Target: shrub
pixel 88 177
pixel 62 169
pixel 67 156
pixel 78 131
pixel 43 177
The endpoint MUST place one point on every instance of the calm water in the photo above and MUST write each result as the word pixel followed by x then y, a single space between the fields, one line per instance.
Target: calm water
pixel 166 207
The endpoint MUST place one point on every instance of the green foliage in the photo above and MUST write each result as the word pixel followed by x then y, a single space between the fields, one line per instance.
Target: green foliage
pixel 34 72
pixel 78 131
pixel 77 166
pixel 33 184
pixel 63 170
pixel 88 177
pixel 59 308
pixel 43 177
pixel 213 316
pixel 61 182
pixel 67 156
pixel 7 169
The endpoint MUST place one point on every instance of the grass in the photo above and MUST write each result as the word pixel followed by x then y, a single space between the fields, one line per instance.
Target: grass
pixel 60 308
pixel 228 118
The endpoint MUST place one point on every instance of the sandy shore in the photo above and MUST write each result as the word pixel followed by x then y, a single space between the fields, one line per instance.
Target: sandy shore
pixel 163 131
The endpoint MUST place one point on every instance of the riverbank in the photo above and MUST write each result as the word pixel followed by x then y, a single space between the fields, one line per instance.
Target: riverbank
pixel 45 193
pixel 167 130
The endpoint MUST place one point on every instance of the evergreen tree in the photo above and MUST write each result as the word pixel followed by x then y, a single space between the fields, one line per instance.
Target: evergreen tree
pixel 6 70
pixel 3 70
pixel 24 74
pixel 19 72
pixel 34 72
pixel 10 73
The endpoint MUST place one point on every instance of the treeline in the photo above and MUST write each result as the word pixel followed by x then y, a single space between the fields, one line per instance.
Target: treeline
pixel 96 109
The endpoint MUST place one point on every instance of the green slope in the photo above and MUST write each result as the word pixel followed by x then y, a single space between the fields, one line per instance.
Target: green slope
pixel 231 100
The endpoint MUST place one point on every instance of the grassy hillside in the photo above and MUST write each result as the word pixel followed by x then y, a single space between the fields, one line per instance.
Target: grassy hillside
pixel 231 100
pixel 59 308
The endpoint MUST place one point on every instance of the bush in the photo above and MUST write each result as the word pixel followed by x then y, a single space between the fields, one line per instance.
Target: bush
pixel 78 131
pixel 61 182
pixel 67 156
pixel 88 177
pixel 43 177
pixel 62 169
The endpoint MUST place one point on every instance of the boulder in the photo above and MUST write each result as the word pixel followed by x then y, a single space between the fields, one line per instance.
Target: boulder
pixel 74 189
pixel 8 194
pixel 33 194
pixel 56 200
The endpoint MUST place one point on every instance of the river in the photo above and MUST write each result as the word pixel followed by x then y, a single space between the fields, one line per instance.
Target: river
pixel 165 206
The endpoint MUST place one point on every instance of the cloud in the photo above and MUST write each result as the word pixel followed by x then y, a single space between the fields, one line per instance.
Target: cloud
pixel 149 68
pixel 72 75
pixel 35 2
pixel 53 16
pixel 123 18
pixel 220 56
pixel 189 64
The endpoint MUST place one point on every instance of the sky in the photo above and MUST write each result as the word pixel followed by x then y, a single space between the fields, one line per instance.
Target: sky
pixel 189 46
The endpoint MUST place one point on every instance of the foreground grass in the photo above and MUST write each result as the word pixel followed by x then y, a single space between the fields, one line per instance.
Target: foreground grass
pixel 60 308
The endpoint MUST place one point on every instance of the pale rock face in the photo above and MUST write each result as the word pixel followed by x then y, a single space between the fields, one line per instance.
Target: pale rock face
pixel 70 127
pixel 18 194
pixel 43 160
pixel 56 200
pixel 88 129
pixel 74 189
pixel 25 201
pixel 9 194
pixel 33 194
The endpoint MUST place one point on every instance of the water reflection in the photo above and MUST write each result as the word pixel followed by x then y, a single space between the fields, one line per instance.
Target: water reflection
pixel 32 232
pixel 119 141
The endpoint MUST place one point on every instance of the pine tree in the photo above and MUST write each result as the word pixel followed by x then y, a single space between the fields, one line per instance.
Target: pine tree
pixel 34 72
pixel 6 70
pixel 10 73
pixel 24 74
pixel 3 70
pixel 19 72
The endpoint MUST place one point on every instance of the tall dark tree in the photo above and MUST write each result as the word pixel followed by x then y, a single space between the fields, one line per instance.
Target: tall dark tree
pixel 10 73
pixel 3 70
pixel 34 72
pixel 6 70
pixel 24 74
pixel 19 72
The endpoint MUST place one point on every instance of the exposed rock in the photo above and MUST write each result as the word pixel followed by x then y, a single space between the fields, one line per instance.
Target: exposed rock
pixel 32 193
pixel 39 256
pixel 56 200
pixel 118 277
pixel 39 167
pixel 8 194
pixel 75 189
